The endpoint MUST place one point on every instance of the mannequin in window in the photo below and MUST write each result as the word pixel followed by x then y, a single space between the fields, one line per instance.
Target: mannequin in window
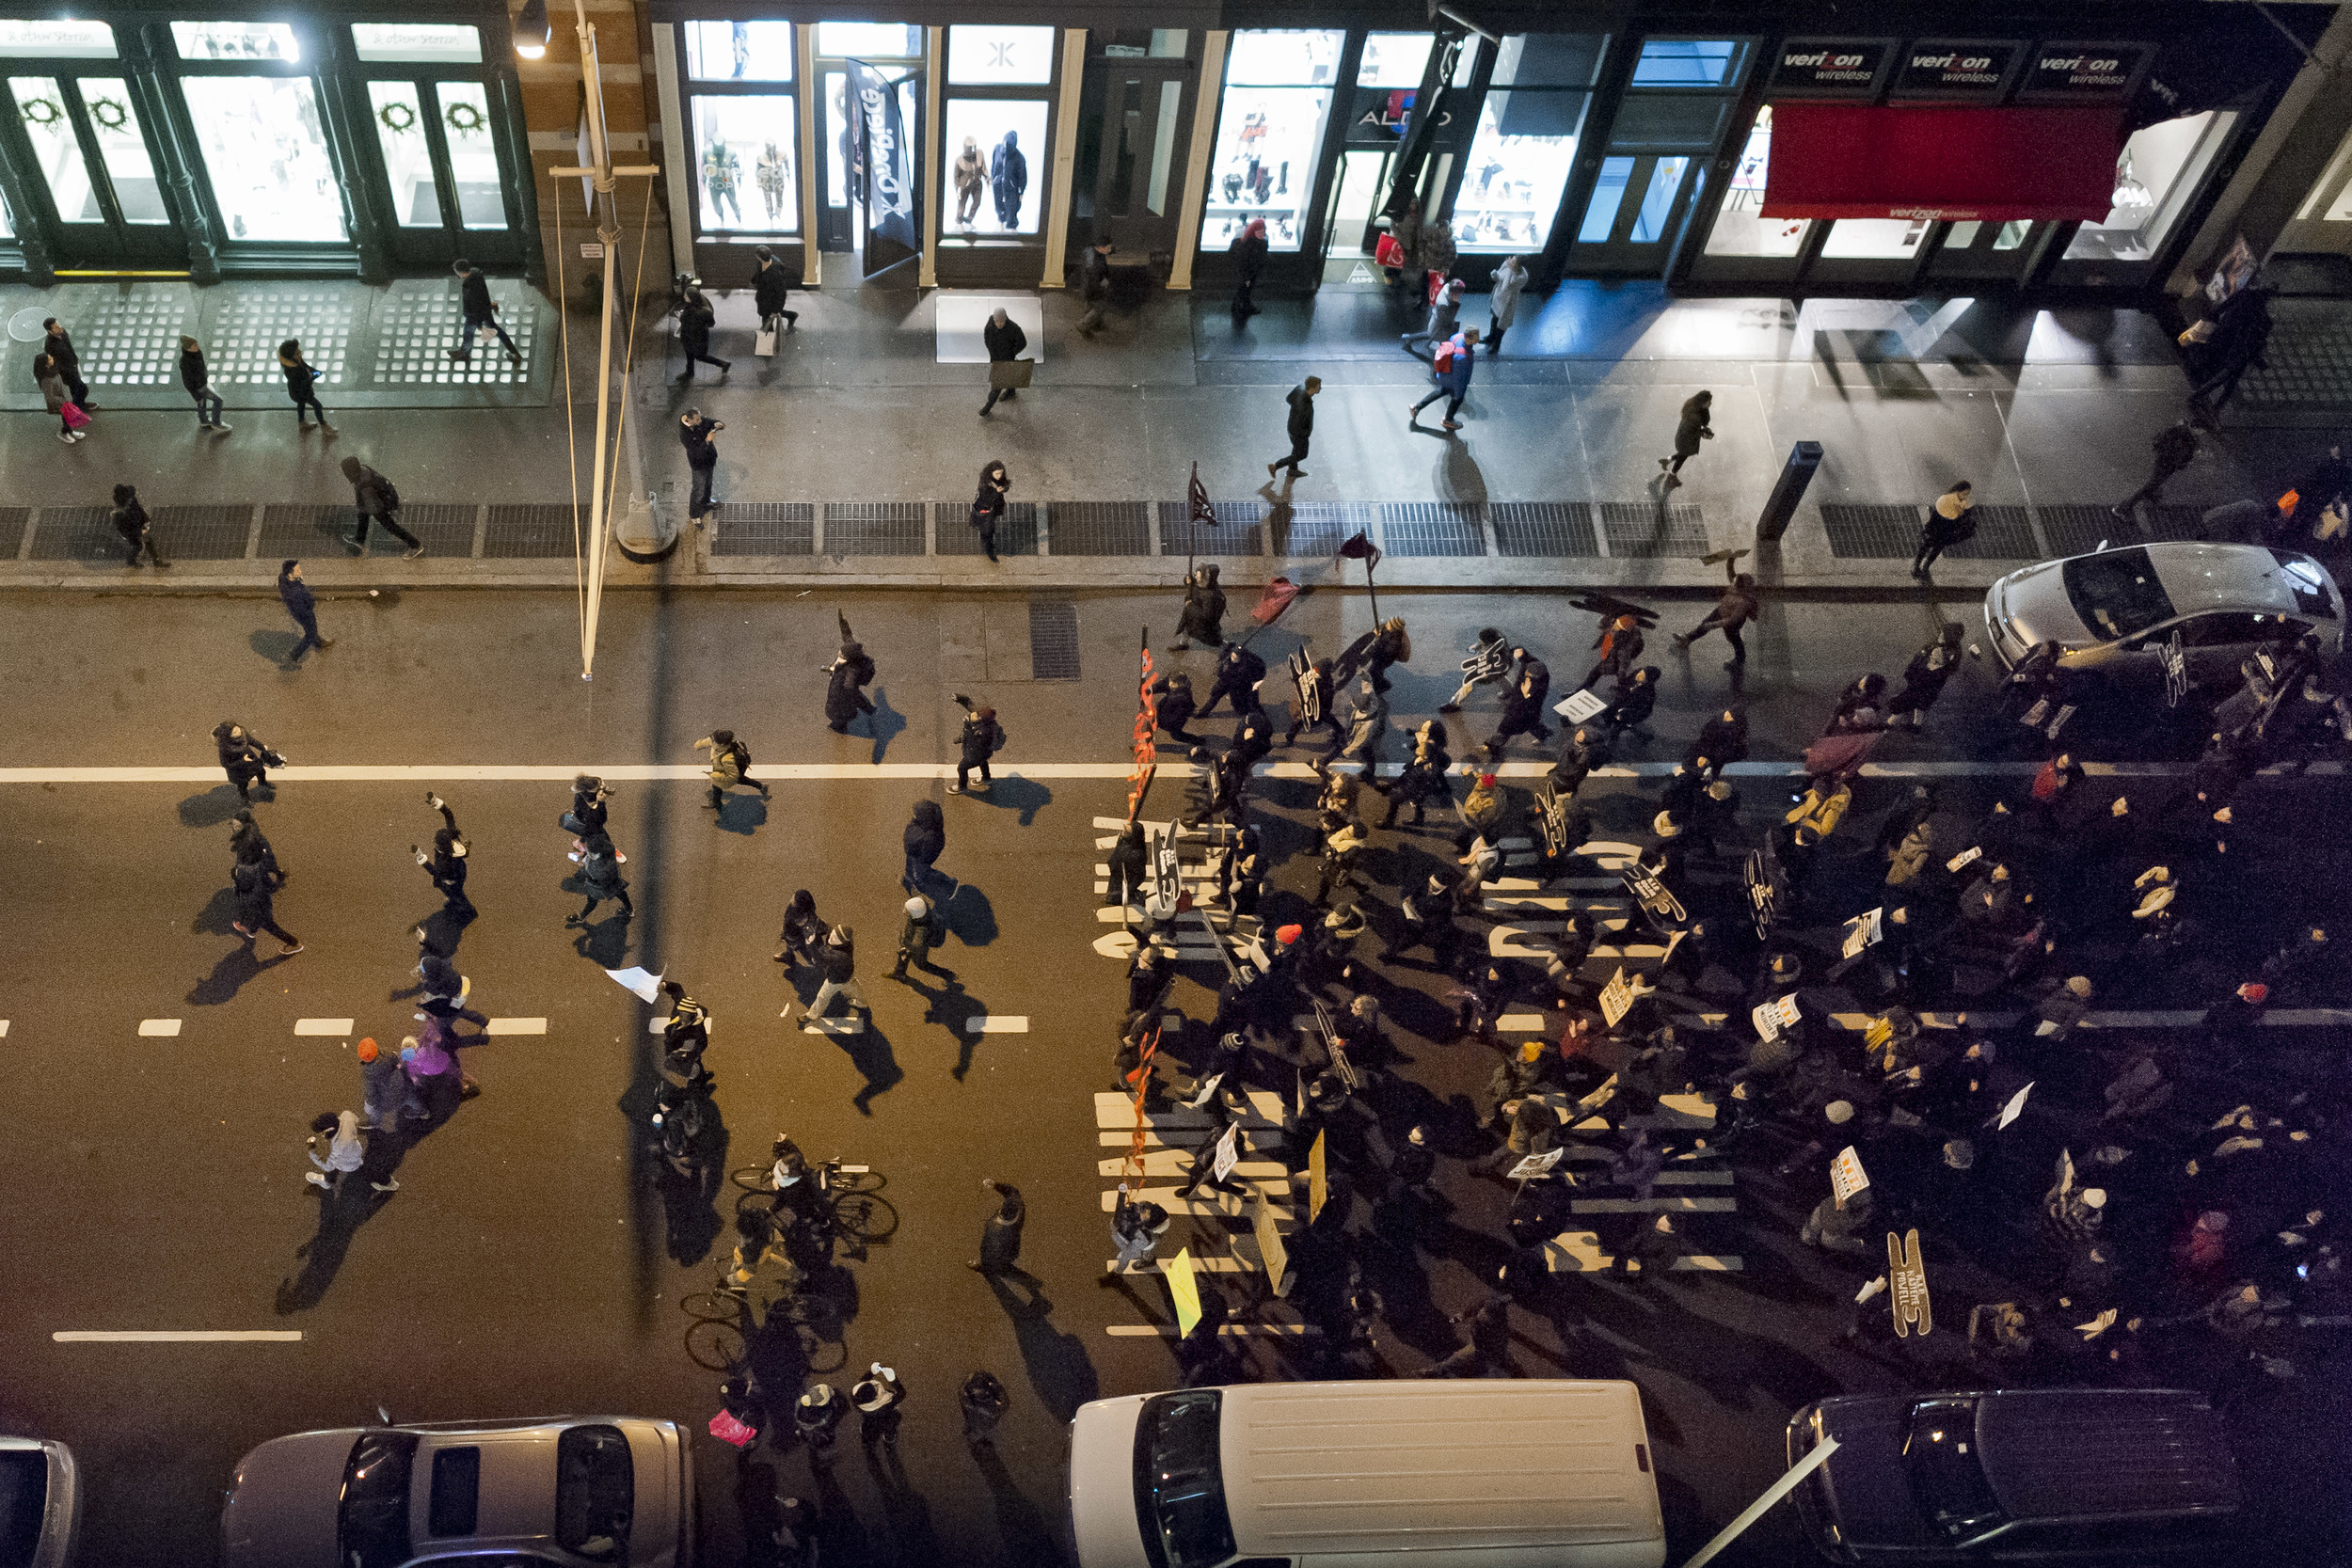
pixel 1008 179
pixel 970 180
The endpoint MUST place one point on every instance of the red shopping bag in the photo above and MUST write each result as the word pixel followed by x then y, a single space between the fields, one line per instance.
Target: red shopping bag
pixel 725 1427
pixel 1388 253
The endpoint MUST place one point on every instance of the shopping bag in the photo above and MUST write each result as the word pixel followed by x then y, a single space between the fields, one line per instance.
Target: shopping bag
pixel 726 1429
pixel 74 416
pixel 764 343
pixel 1389 253
pixel 1010 375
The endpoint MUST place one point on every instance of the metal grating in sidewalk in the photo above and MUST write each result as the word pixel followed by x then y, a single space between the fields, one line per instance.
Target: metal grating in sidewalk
pixel 1311 529
pixel 1543 528
pixel 764 528
pixel 1433 529
pixel 529 532
pixel 2079 529
pixel 1237 533
pixel 2175 522
pixel 202 532
pixel 2003 533
pixel 1016 531
pixel 1052 639
pixel 292 530
pixel 873 527
pixel 1640 530
pixel 133 339
pixel 1100 528
pixel 12 521
pixel 1871 532
pixel 76 534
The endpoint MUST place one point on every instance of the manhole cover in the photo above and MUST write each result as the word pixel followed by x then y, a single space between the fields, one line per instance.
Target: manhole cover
pixel 24 326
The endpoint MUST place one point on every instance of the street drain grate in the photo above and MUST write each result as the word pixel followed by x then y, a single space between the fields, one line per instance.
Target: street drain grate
pixel 765 527
pixel 2003 533
pixel 203 532
pixel 874 528
pixel 12 521
pixel 76 534
pixel 1645 532
pixel 1236 532
pixel 2079 529
pixel 1016 531
pixel 1433 528
pixel 1871 532
pixel 1054 639
pixel 1543 528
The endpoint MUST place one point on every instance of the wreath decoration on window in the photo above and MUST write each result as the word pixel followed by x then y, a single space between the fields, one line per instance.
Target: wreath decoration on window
pixel 397 118
pixel 43 112
pixel 112 114
pixel 464 120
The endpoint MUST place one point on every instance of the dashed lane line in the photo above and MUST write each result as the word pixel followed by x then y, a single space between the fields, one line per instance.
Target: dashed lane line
pixel 996 1023
pixel 516 1026
pixel 165 1028
pixel 175 1336
pixel 322 1026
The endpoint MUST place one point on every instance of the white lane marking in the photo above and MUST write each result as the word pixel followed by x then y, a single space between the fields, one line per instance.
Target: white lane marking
pixel 1118 1111
pixel 1653 1206
pixel 516 1026
pixel 1521 1024
pixel 175 1336
pixel 1693 1178
pixel 1201 1265
pixel 322 1026
pixel 166 1027
pixel 658 1023
pixel 4 1028
pixel 1168 1331
pixel 829 1026
pixel 996 1023
pixel 1265 1140
pixel 1178 1161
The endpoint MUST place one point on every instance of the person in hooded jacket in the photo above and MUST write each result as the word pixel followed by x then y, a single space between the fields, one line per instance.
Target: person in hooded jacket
pixel 925 840
pixel 1925 676
pixel 599 876
pixel 695 320
pixel 1008 181
pixel 131 521
pixel 1130 866
pixel 246 842
pixel 1203 616
pixel 1523 702
pixel 837 957
pixel 847 678
pixel 1175 708
pixel 446 865
pixel 1620 645
pixel 1424 778
pixel 772 290
pixel 1238 672
pixel 244 758
pixel 256 906
pixel 980 740
pixel 199 381
pixel 803 929
pixel 1249 253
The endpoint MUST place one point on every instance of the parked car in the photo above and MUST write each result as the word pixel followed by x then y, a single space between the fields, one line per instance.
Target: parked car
pixel 2117 610
pixel 41 1503
pixel 2017 1476
pixel 1515 1473
pixel 583 1491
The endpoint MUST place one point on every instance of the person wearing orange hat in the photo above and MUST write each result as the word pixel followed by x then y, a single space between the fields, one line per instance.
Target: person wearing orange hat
pixel 380 1087
pixel 1620 645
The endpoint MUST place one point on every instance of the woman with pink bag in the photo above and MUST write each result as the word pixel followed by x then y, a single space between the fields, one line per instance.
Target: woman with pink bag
pixel 70 416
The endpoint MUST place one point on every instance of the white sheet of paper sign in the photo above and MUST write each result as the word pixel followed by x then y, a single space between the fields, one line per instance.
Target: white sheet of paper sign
pixel 1864 930
pixel 1967 857
pixel 1846 1176
pixel 2016 1104
pixel 1577 707
pixel 646 986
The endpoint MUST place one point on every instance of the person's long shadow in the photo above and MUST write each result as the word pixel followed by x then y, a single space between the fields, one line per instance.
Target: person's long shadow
pixel 1025 796
pixel 954 1009
pixel 969 916
pixel 1022 1526
pixel 210 808
pixel 605 942
pixel 742 814
pixel 339 1218
pixel 276 646
pixel 444 929
pixel 690 1198
pixel 1060 1368
pixel 869 1051
pixel 885 721
pixel 236 966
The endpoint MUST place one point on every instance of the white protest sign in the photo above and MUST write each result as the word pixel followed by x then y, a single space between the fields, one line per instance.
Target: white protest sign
pixel 1535 1164
pixel 1228 1153
pixel 1864 930
pixel 2016 1104
pixel 1846 1176
pixel 1577 707
pixel 1771 1018
pixel 1616 998
pixel 1967 857
pixel 646 986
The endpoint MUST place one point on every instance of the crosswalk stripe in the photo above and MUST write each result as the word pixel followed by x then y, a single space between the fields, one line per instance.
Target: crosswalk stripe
pixel 159 1027
pixel 996 1023
pixel 1262 1140
pixel 853 1024
pixel 1693 1178
pixel 1201 1265
pixel 1178 1161
pixel 1119 1111
pixel 322 1026
pixel 4 1028
pixel 1653 1206
pixel 175 1336
pixel 1169 1331
pixel 516 1026
pixel 1208 1201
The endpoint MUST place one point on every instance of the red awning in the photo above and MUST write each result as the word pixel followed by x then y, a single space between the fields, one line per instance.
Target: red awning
pixel 1866 161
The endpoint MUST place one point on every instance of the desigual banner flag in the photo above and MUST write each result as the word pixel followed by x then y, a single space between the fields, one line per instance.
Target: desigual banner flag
pixel 889 158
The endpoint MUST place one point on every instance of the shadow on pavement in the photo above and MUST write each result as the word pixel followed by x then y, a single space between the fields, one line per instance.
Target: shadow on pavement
pixel 970 916
pixel 212 807
pixel 1026 1533
pixel 1060 1368
pixel 236 966
pixel 885 721
pixel 275 647
pixel 1025 796
pixel 869 1052
pixel 742 814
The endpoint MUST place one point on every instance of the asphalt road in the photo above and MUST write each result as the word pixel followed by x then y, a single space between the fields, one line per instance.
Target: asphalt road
pixel 532 1264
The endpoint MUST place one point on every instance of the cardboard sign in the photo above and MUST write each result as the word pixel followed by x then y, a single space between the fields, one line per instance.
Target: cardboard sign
pixel 2033 716
pixel 2009 1112
pixel 1909 1276
pixel 1652 894
pixel 1228 1153
pixel 1184 1288
pixel 1162 902
pixel 1271 1249
pixel 1846 1176
pixel 1535 1164
pixel 1864 930
pixel 2060 723
pixel 1878 1032
pixel 1616 998
pixel 1318 1180
pixel 1771 1018
pixel 1577 707
pixel 1967 857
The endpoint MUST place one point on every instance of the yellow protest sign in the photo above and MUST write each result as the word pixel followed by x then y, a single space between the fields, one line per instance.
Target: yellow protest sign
pixel 1318 1181
pixel 1184 1289
pixel 1271 1248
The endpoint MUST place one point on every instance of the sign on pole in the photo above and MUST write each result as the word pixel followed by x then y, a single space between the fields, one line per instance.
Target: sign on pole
pixel 1909 1276
pixel 1318 1181
pixel 1184 1288
pixel 1272 1251
pixel 1534 1165
pixel 1864 930
pixel 1228 1153
pixel 1846 1176
pixel 1616 998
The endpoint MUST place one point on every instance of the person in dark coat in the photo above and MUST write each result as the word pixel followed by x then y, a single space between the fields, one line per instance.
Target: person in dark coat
pixel 599 876
pixel 1253 737
pixel 1925 675
pixel 770 289
pixel 131 520
pixel 446 864
pixel 695 320
pixel 588 806
pixel 1460 353
pixel 694 431
pixel 303 607
pixel 58 345
pixel 1690 429
pixel 1424 778
pixel 1733 610
pixel 1176 708
pixel 375 500
pixel 1238 672
pixel 244 758
pixel 1620 645
pixel 847 678
pixel 2175 448
pixel 1004 339
pixel 481 310
pixel 1301 399
pixel 301 383
pixel 1000 1237
pixel 988 502
pixel 1008 181
pixel 199 381
pixel 1202 618
pixel 1249 252
pixel 256 907
pixel 980 740
pixel 803 929
pixel 1524 706
pixel 925 840
pixel 1130 867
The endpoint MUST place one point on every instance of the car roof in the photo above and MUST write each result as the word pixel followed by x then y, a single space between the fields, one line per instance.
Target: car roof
pixel 2203 577
pixel 2057 1453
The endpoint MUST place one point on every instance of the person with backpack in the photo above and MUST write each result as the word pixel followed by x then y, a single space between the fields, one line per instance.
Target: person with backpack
pixel 771 289
pixel 925 840
pixel 599 876
pixel 845 679
pixel 256 898
pixel 1454 359
pixel 377 501
pixel 837 957
pixel 982 739
pixel 988 502
pixel 730 764
pixel 922 931
pixel 131 520
pixel 1948 524
pixel 1444 318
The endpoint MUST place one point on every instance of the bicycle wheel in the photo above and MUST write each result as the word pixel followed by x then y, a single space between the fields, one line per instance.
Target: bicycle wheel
pixel 865 1216
pixel 717 1307
pixel 751 1179
pixel 859 1182
pixel 715 1346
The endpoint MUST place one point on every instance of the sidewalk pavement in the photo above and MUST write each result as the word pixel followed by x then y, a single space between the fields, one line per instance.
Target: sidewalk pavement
pixel 847 458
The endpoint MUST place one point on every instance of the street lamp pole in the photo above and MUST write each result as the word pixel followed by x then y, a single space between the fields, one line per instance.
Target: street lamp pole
pixel 603 177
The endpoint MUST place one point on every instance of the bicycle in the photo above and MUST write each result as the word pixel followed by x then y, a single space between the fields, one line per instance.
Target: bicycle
pixel 845 1200
pixel 718 1338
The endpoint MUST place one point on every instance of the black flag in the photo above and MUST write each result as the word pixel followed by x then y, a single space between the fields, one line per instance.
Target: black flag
pixel 1198 495
pixel 889 158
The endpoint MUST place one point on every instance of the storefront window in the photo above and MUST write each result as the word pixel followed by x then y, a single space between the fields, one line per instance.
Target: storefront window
pixel 429 42
pixel 1963 235
pixel 1518 164
pixel 746 172
pixel 235 41
pixel 841 135
pixel 40 105
pixel 8 220
pixel 1269 134
pixel 2330 198
pixel 266 155
pixel 1741 227
pixel 68 41
pixel 999 56
pixel 869 41
pixel 739 51
pixel 473 158
pixel 1875 239
pixel 2156 176
pixel 996 148
pixel 1688 62
pixel 1395 60
pixel 407 160
pixel 129 169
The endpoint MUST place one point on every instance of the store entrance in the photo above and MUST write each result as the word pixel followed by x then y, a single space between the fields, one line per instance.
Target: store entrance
pixel 1986 252
pixel 1636 202
pixel 1129 178
pixel 98 201
pixel 442 176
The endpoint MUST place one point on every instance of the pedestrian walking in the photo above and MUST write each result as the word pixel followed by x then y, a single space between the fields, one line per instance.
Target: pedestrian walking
pixel 925 840
pixel 1424 778
pixel 481 315
pixel 247 843
pixel 1135 1231
pixel 803 929
pixel 837 956
pixel 1301 427
pixel 1502 304
pixel 1444 318
pixel 695 318
pixel 694 431
pixel 2175 448
pixel 71 418
pixel 730 764
pixel 845 679
pixel 1238 672
pixel 981 738
pixel 301 383
pixel 921 931
pixel 1455 359
pixel 588 810
pixel 1690 429
pixel 244 758
pixel 988 504
pixel 1175 707
pixel 600 875
pixel 1094 284
pixel 446 864
pixel 1202 618
pixel 131 521
pixel 1949 522
pixel 346 1152
pixel 441 991
pixel 377 501
pixel 1925 676
pixel 1000 1236
pixel 984 1401
pixel 199 381
pixel 1736 607
pixel 770 291
pixel 256 898
pixel 300 603
pixel 1249 253
pixel 1004 339
pixel 1523 707
pixel 878 1396
pixel 1620 645
pixel 57 343
pixel 380 1087
pixel 1367 729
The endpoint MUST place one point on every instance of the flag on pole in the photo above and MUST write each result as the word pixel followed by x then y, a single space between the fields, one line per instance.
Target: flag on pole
pixel 1202 513
pixel 1359 546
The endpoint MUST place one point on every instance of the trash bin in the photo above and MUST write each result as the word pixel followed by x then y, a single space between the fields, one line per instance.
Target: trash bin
pixel 1795 475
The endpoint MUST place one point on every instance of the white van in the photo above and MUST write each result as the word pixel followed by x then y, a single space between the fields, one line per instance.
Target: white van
pixel 1491 1473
